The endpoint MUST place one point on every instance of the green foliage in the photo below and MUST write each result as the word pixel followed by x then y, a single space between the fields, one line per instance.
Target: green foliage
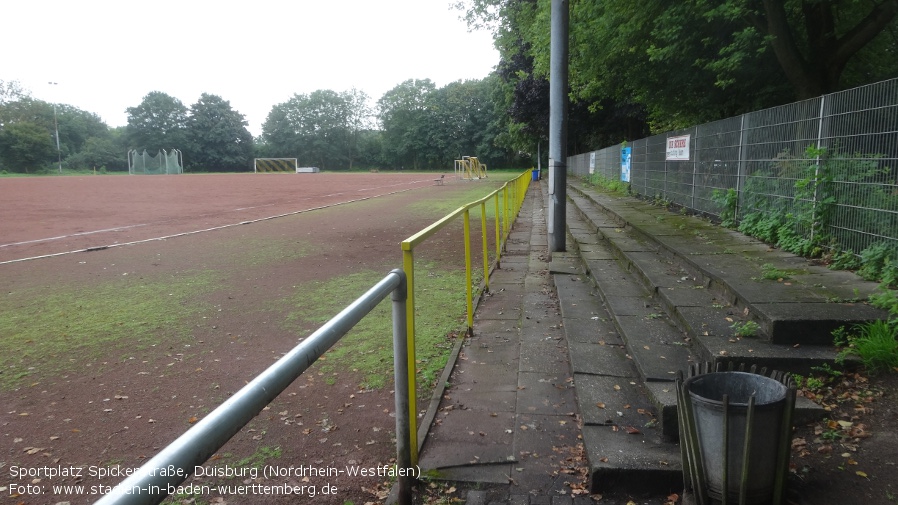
pixel 612 185
pixel 878 262
pixel 365 350
pixel 99 152
pixel 260 458
pixel 771 273
pixel 876 345
pixel 26 147
pixel 694 61
pixel 845 260
pixel 158 122
pixel 809 383
pixel 52 331
pixel 746 329
pixel 729 201
pixel 792 202
pixel 216 137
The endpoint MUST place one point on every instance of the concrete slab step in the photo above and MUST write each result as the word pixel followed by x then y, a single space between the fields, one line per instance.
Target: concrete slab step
pixel 669 319
pixel 738 269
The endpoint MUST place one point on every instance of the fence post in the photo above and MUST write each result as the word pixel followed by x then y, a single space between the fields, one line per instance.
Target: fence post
pixel 469 277
pixel 817 169
pixel 740 168
pixel 401 376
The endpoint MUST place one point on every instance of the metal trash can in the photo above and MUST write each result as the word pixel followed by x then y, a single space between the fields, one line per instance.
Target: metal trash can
pixel 736 427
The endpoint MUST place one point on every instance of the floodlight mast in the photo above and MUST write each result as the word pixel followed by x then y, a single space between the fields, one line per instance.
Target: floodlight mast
pixel 56 126
pixel 558 119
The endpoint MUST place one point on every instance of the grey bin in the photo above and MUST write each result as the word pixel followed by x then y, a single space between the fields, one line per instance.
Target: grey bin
pixel 731 413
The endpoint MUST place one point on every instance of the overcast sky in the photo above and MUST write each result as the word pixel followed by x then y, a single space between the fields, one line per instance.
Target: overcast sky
pixel 105 56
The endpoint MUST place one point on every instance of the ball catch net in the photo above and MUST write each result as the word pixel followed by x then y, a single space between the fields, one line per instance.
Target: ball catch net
pixel 163 162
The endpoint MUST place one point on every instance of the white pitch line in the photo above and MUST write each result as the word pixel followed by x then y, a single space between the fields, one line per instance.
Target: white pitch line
pixel 182 234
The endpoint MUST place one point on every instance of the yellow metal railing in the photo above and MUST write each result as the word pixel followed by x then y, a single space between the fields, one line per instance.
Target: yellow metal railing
pixel 508 201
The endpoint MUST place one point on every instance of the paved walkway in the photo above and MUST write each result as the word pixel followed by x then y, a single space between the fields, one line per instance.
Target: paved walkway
pixel 508 423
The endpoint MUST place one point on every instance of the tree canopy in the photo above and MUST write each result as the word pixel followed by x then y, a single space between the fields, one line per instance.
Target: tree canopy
pixel 688 61
pixel 216 136
pixel 158 122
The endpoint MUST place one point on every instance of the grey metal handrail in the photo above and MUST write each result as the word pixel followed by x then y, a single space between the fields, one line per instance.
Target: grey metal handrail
pixel 176 462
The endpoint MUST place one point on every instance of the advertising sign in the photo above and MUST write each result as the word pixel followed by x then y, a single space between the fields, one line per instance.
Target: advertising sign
pixel 625 163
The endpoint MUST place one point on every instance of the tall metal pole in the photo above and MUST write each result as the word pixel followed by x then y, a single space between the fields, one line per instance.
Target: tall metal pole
pixel 558 114
pixel 56 125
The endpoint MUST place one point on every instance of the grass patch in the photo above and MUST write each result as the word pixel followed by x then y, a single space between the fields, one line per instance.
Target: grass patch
pixel 368 348
pixel 450 201
pixel 54 330
pixel 269 251
pixel 771 273
pixel 260 458
pixel 876 345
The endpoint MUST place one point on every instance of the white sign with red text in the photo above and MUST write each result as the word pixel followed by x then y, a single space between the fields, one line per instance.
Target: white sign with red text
pixel 678 148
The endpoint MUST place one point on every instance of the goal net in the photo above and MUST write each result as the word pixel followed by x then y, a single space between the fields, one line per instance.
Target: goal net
pixel 163 162
pixel 269 165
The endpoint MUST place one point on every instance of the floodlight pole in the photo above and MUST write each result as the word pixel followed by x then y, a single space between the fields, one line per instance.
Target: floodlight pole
pixel 558 116
pixel 56 126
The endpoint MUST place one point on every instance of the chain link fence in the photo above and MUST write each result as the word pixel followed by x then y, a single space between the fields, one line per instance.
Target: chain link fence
pixel 832 161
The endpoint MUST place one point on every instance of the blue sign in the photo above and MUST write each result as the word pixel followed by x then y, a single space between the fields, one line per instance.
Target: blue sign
pixel 625 163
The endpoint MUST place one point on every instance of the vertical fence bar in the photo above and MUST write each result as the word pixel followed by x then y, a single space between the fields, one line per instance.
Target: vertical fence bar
pixel 401 376
pixel 469 281
pixel 486 247
pixel 408 266
pixel 498 236
pixel 746 451
pixel 725 470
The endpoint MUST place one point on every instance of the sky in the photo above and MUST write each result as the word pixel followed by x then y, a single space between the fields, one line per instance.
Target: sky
pixel 105 56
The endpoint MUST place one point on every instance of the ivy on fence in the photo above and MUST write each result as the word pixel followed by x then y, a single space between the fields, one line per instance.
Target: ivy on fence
pixel 796 203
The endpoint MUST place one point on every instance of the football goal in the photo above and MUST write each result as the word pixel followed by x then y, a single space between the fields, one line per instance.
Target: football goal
pixel 163 162
pixel 281 165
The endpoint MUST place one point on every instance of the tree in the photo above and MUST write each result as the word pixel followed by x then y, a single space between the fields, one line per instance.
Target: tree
pixel 402 114
pixel 217 137
pixel 99 153
pixel 692 61
pixel 11 91
pixel 359 116
pixel 26 147
pixel 815 41
pixel 322 128
pixel 159 122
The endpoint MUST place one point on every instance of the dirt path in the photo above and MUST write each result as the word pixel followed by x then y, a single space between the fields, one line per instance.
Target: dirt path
pixel 108 409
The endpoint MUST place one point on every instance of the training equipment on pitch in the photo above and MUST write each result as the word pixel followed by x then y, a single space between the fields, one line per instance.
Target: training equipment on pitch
pixel 280 165
pixel 162 162
pixel 470 168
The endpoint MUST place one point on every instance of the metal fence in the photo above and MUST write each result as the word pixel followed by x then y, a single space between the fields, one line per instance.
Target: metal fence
pixel 849 170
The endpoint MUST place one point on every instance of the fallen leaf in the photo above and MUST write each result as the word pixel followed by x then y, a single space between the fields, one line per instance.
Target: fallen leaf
pixel 861 474
pixel 632 431
pixel 600 405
